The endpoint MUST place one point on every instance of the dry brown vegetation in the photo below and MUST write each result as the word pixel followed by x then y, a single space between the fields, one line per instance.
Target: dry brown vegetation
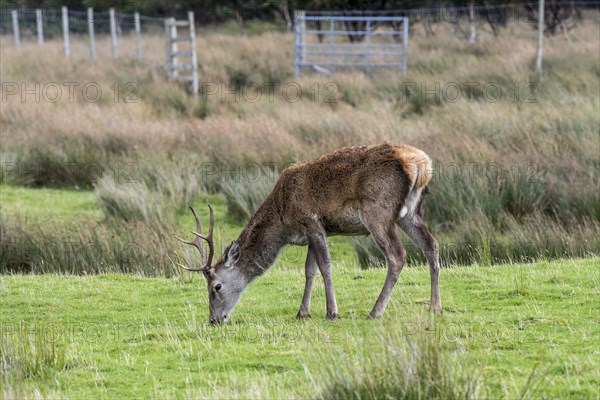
pixel 517 175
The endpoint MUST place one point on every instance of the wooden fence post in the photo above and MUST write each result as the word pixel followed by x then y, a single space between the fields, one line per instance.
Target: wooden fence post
pixel 405 46
pixel 65 26
pixel 168 46
pixel 40 26
pixel 113 33
pixel 168 22
pixel 194 55
pixel 172 46
pixel 300 27
pixel 540 39
pixel 472 22
pixel 90 15
pixel 15 22
pixel 138 34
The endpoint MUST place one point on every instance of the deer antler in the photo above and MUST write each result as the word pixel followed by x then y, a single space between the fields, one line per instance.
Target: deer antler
pixel 206 263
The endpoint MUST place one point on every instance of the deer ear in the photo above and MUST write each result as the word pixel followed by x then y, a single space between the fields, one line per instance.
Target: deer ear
pixel 233 254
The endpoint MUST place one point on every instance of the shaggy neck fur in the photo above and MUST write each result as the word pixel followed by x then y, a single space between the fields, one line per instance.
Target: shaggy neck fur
pixel 260 242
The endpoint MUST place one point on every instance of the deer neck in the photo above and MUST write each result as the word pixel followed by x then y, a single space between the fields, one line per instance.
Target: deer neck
pixel 260 243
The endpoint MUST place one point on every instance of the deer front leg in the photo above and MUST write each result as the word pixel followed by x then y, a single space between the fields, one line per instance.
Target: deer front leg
pixel 318 243
pixel 310 268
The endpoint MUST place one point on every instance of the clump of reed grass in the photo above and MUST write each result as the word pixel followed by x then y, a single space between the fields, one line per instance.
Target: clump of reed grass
pixel 477 240
pixel 179 178
pixel 83 248
pixel 153 191
pixel 31 352
pixel 132 201
pixel 394 367
pixel 70 161
pixel 244 196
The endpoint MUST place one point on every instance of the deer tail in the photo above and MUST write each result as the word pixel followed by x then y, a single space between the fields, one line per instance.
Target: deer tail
pixel 418 168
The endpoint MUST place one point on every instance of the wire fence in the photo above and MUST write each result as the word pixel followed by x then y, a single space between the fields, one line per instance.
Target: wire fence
pixel 78 22
pixel 31 25
pixel 41 25
pixel 439 12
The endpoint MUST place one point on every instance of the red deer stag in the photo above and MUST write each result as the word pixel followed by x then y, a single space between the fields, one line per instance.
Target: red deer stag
pixel 352 191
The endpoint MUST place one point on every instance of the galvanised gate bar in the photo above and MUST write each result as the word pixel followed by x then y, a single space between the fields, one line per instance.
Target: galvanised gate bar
pixel 327 43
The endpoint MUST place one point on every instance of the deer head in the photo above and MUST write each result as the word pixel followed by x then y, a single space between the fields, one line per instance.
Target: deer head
pixel 225 282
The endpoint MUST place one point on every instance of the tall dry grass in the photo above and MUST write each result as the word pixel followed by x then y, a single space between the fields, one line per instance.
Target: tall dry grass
pixel 519 172
pixel 126 246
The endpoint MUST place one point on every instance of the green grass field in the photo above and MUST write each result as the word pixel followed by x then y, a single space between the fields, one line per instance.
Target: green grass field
pixel 121 336
pixel 518 330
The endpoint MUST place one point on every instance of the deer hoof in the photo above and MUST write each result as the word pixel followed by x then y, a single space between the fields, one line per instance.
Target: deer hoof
pixel 437 310
pixel 302 315
pixel 372 316
pixel 332 316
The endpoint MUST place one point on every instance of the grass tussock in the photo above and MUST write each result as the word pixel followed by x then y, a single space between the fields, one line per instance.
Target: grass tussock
pixel 124 246
pixel 66 161
pixel 178 178
pixel 394 367
pixel 392 362
pixel 131 202
pixel 244 196
pixel 477 241
pixel 31 353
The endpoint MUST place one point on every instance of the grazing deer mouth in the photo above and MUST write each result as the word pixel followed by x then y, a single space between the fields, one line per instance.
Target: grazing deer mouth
pixel 218 321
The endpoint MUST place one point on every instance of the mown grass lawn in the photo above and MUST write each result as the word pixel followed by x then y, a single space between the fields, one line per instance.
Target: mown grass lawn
pixel 119 336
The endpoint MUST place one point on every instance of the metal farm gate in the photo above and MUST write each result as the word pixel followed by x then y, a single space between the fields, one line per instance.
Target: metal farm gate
pixel 325 43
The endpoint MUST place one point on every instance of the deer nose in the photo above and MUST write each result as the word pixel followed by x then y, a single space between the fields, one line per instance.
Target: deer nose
pixel 218 321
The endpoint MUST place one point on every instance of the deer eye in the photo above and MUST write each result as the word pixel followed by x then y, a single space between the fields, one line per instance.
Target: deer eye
pixel 218 287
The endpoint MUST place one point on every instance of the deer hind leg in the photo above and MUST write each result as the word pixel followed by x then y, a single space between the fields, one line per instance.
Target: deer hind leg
pixel 310 268
pixel 416 229
pixel 318 244
pixel 386 238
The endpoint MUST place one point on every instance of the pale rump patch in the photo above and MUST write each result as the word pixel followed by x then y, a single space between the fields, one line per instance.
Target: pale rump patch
pixel 410 203
pixel 403 211
pixel 417 166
